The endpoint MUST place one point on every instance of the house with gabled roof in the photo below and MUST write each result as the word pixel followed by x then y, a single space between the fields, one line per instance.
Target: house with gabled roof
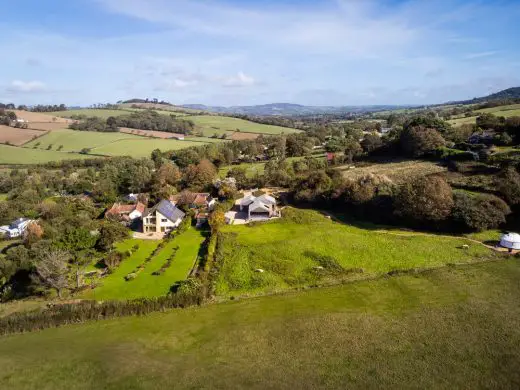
pixel 126 212
pixel 259 208
pixel 162 218
pixel 194 200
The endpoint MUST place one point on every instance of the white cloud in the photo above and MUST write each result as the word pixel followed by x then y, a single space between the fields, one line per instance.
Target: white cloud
pixel 26 86
pixel 481 54
pixel 239 80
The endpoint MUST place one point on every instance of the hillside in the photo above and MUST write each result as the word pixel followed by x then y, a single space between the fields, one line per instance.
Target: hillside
pixel 506 94
pixel 456 327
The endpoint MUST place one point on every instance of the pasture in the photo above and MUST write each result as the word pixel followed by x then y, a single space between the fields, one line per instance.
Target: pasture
pixel 505 111
pixel 74 141
pixel 291 251
pixel 145 284
pixel 109 144
pixel 17 155
pixel 398 171
pixel 90 112
pixel 456 327
pixel 40 117
pixel 213 124
pixel 13 136
pixel 143 147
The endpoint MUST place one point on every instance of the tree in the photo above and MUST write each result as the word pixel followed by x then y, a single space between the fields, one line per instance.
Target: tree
pixel 33 234
pixel 217 219
pixel 200 176
pixel 352 149
pixel 53 270
pixel 425 199
pixel 479 212
pixel 239 174
pixel 110 233
pixel 165 180
pixel 371 142
pixel 508 184
pixel 364 189
pixel 312 187
pixel 419 141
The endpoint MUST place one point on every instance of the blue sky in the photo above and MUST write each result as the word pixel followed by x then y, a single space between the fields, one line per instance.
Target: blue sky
pixel 241 52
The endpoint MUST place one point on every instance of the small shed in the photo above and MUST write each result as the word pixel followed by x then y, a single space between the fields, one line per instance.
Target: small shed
pixel 510 241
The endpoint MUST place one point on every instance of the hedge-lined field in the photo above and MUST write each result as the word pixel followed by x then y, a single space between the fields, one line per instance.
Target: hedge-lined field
pixel 450 328
pixel 18 155
pixel 291 251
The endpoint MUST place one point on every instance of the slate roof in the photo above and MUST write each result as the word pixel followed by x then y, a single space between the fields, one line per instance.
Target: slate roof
pixel 168 209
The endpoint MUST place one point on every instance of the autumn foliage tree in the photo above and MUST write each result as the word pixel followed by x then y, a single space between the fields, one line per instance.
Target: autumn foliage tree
pixel 427 198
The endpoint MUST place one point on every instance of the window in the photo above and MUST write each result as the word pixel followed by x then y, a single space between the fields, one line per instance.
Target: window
pixel 164 220
pixel 163 229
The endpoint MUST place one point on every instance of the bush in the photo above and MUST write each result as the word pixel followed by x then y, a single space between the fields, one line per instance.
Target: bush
pixel 479 212
pixel 131 276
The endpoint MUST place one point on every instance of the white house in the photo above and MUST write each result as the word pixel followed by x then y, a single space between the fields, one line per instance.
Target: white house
pixel 162 218
pixel 259 208
pixel 17 228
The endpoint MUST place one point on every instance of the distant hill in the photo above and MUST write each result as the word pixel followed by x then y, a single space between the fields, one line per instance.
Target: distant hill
pixel 505 95
pixel 288 109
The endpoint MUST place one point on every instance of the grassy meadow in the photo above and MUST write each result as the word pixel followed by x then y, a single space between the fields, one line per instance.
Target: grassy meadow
pixel 456 327
pixel 147 285
pixel 289 251
pixel 211 124
pixel 90 112
pixel 109 144
pixel 505 111
pixel 16 155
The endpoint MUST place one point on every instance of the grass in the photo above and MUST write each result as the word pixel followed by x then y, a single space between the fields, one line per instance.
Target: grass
pixel 3 197
pixel 211 124
pixel 74 141
pixel 110 144
pixel 447 329
pixel 505 111
pixel 16 155
pixel 147 285
pixel 252 169
pixel 143 147
pixel 398 171
pixel 290 249
pixel 90 113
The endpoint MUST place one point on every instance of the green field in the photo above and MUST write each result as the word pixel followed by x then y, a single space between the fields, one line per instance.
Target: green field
pixel 15 155
pixel 505 111
pixel 110 144
pixel 252 169
pixel 114 286
pixel 452 328
pixel 74 141
pixel 3 197
pixel 211 124
pixel 290 249
pixel 142 147
pixel 90 112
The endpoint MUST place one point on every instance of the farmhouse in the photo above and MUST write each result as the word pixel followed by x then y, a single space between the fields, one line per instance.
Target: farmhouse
pixel 260 208
pixel 17 228
pixel 194 200
pixel 126 212
pixel 162 218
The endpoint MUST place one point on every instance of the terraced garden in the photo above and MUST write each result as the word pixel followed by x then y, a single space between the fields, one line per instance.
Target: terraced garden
pixel 146 284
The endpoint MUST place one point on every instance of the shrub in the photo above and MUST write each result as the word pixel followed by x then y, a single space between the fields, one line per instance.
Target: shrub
pixel 131 276
pixel 425 199
pixel 508 184
pixel 479 212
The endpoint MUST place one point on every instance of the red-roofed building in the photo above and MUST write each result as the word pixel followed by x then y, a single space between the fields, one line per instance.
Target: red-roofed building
pixel 193 200
pixel 126 212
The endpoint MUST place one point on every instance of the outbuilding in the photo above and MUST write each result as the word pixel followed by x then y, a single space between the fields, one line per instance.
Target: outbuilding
pixel 510 241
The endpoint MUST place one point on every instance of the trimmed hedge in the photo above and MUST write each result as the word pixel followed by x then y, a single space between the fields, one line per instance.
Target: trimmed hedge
pixel 74 313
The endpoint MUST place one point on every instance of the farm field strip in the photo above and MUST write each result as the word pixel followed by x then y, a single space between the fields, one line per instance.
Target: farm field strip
pixel 289 250
pixel 463 321
pixel 23 155
pixel 18 137
pixel 91 112
pixel 142 147
pixel 211 124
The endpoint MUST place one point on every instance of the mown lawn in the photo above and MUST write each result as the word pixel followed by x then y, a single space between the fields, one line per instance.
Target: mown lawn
pixel 452 328
pixel 211 124
pixel 147 285
pixel 16 155
pixel 290 249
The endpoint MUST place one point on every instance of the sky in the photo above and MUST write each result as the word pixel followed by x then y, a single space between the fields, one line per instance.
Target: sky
pixel 246 52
